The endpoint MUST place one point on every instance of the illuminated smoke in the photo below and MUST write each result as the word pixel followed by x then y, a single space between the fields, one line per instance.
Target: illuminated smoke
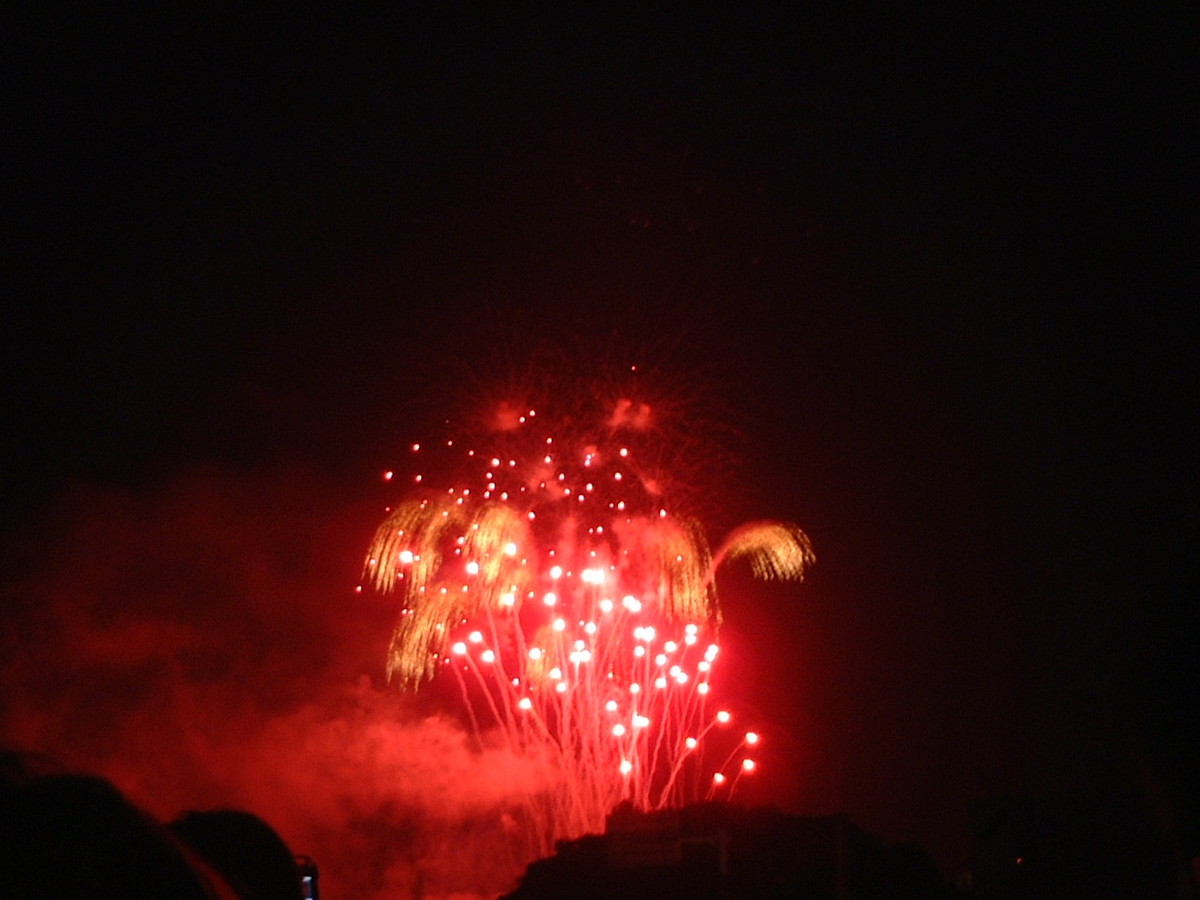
pixel 195 641
pixel 545 572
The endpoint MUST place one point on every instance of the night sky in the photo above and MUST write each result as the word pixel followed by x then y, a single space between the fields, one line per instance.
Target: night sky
pixel 936 274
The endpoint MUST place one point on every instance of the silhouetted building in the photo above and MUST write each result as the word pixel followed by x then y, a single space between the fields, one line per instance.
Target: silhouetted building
pixel 724 852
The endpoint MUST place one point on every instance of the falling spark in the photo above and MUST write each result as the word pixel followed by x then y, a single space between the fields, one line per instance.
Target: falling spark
pixel 600 677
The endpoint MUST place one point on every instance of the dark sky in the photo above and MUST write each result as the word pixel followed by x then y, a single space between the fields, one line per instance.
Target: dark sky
pixel 939 272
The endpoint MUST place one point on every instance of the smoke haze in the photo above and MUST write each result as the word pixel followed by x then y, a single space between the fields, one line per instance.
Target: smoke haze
pixel 199 642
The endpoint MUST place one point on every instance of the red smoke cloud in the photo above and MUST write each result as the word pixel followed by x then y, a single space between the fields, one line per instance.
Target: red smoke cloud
pixel 199 642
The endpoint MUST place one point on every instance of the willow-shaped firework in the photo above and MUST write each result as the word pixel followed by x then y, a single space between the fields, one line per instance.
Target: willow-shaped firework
pixel 576 610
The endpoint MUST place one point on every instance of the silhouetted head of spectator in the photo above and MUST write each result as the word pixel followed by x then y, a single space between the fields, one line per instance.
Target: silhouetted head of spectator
pixel 76 836
pixel 245 850
pixel 19 767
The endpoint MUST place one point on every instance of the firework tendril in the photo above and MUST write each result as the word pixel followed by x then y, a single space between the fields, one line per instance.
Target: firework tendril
pixel 576 610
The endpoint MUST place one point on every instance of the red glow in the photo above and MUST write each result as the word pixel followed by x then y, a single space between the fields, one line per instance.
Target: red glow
pixel 518 569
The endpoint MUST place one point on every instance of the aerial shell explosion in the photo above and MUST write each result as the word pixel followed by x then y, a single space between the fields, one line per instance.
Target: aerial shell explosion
pixel 576 610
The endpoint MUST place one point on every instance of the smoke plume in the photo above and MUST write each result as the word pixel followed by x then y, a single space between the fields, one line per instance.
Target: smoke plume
pixel 199 641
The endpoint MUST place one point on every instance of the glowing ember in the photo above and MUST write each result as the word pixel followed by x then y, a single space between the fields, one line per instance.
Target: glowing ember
pixel 578 613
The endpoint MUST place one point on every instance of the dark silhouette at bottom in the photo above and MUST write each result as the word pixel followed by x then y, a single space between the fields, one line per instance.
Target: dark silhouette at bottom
pixel 68 836
pixel 722 852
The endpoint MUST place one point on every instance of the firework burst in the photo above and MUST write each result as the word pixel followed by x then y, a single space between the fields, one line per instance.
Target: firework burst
pixel 551 576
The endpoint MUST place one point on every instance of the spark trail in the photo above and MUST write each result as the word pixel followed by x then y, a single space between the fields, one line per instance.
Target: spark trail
pixel 550 577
